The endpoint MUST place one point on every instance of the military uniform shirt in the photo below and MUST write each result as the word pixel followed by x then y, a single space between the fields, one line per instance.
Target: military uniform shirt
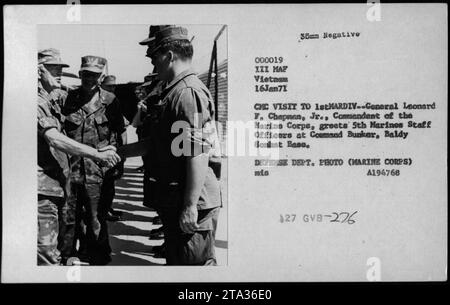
pixel 186 102
pixel 96 123
pixel 53 166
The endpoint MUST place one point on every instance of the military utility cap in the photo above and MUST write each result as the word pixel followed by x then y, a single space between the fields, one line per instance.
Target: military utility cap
pixel 94 64
pixel 50 57
pixel 162 34
pixel 109 80
pixel 151 34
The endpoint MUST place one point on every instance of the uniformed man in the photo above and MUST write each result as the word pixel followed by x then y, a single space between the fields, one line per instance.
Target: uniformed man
pixel 142 92
pixel 108 189
pixel 55 68
pixel 93 117
pixel 53 166
pixel 188 192
pixel 146 118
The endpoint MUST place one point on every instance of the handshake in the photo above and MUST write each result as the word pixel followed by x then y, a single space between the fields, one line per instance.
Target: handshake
pixel 107 156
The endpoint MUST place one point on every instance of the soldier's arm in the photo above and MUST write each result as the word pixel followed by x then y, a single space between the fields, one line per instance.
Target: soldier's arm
pixel 186 109
pixel 124 134
pixel 196 168
pixel 124 137
pixel 137 119
pixel 63 143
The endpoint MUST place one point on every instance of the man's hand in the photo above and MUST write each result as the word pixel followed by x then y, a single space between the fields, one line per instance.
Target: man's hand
pixel 142 106
pixel 108 156
pixel 188 219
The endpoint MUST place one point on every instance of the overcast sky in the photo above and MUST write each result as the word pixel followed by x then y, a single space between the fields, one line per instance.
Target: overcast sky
pixel 119 44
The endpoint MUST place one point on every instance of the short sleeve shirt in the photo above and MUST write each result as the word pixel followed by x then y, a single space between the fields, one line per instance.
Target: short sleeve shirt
pixel 184 128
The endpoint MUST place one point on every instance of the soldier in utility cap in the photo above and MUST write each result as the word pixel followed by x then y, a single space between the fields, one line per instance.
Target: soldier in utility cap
pixel 51 59
pixel 187 192
pixel 93 117
pixel 144 120
pixel 53 165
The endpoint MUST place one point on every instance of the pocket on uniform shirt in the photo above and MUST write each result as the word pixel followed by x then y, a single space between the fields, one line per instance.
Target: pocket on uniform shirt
pixel 71 124
pixel 102 124
pixel 93 171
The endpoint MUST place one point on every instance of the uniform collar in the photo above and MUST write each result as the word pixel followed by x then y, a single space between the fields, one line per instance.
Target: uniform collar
pixel 45 95
pixel 94 103
pixel 178 78
pixel 42 91
pixel 102 93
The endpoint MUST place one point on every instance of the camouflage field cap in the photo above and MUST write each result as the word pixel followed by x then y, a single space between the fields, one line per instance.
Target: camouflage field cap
pixel 50 57
pixel 162 34
pixel 92 63
pixel 109 80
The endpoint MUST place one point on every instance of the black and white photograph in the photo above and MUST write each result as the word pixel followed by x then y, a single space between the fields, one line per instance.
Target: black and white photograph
pixel 229 143
pixel 112 188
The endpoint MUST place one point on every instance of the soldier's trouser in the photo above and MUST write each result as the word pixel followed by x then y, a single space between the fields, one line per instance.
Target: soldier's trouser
pixel 190 249
pixel 90 225
pixel 149 190
pixel 48 230
pixel 108 192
